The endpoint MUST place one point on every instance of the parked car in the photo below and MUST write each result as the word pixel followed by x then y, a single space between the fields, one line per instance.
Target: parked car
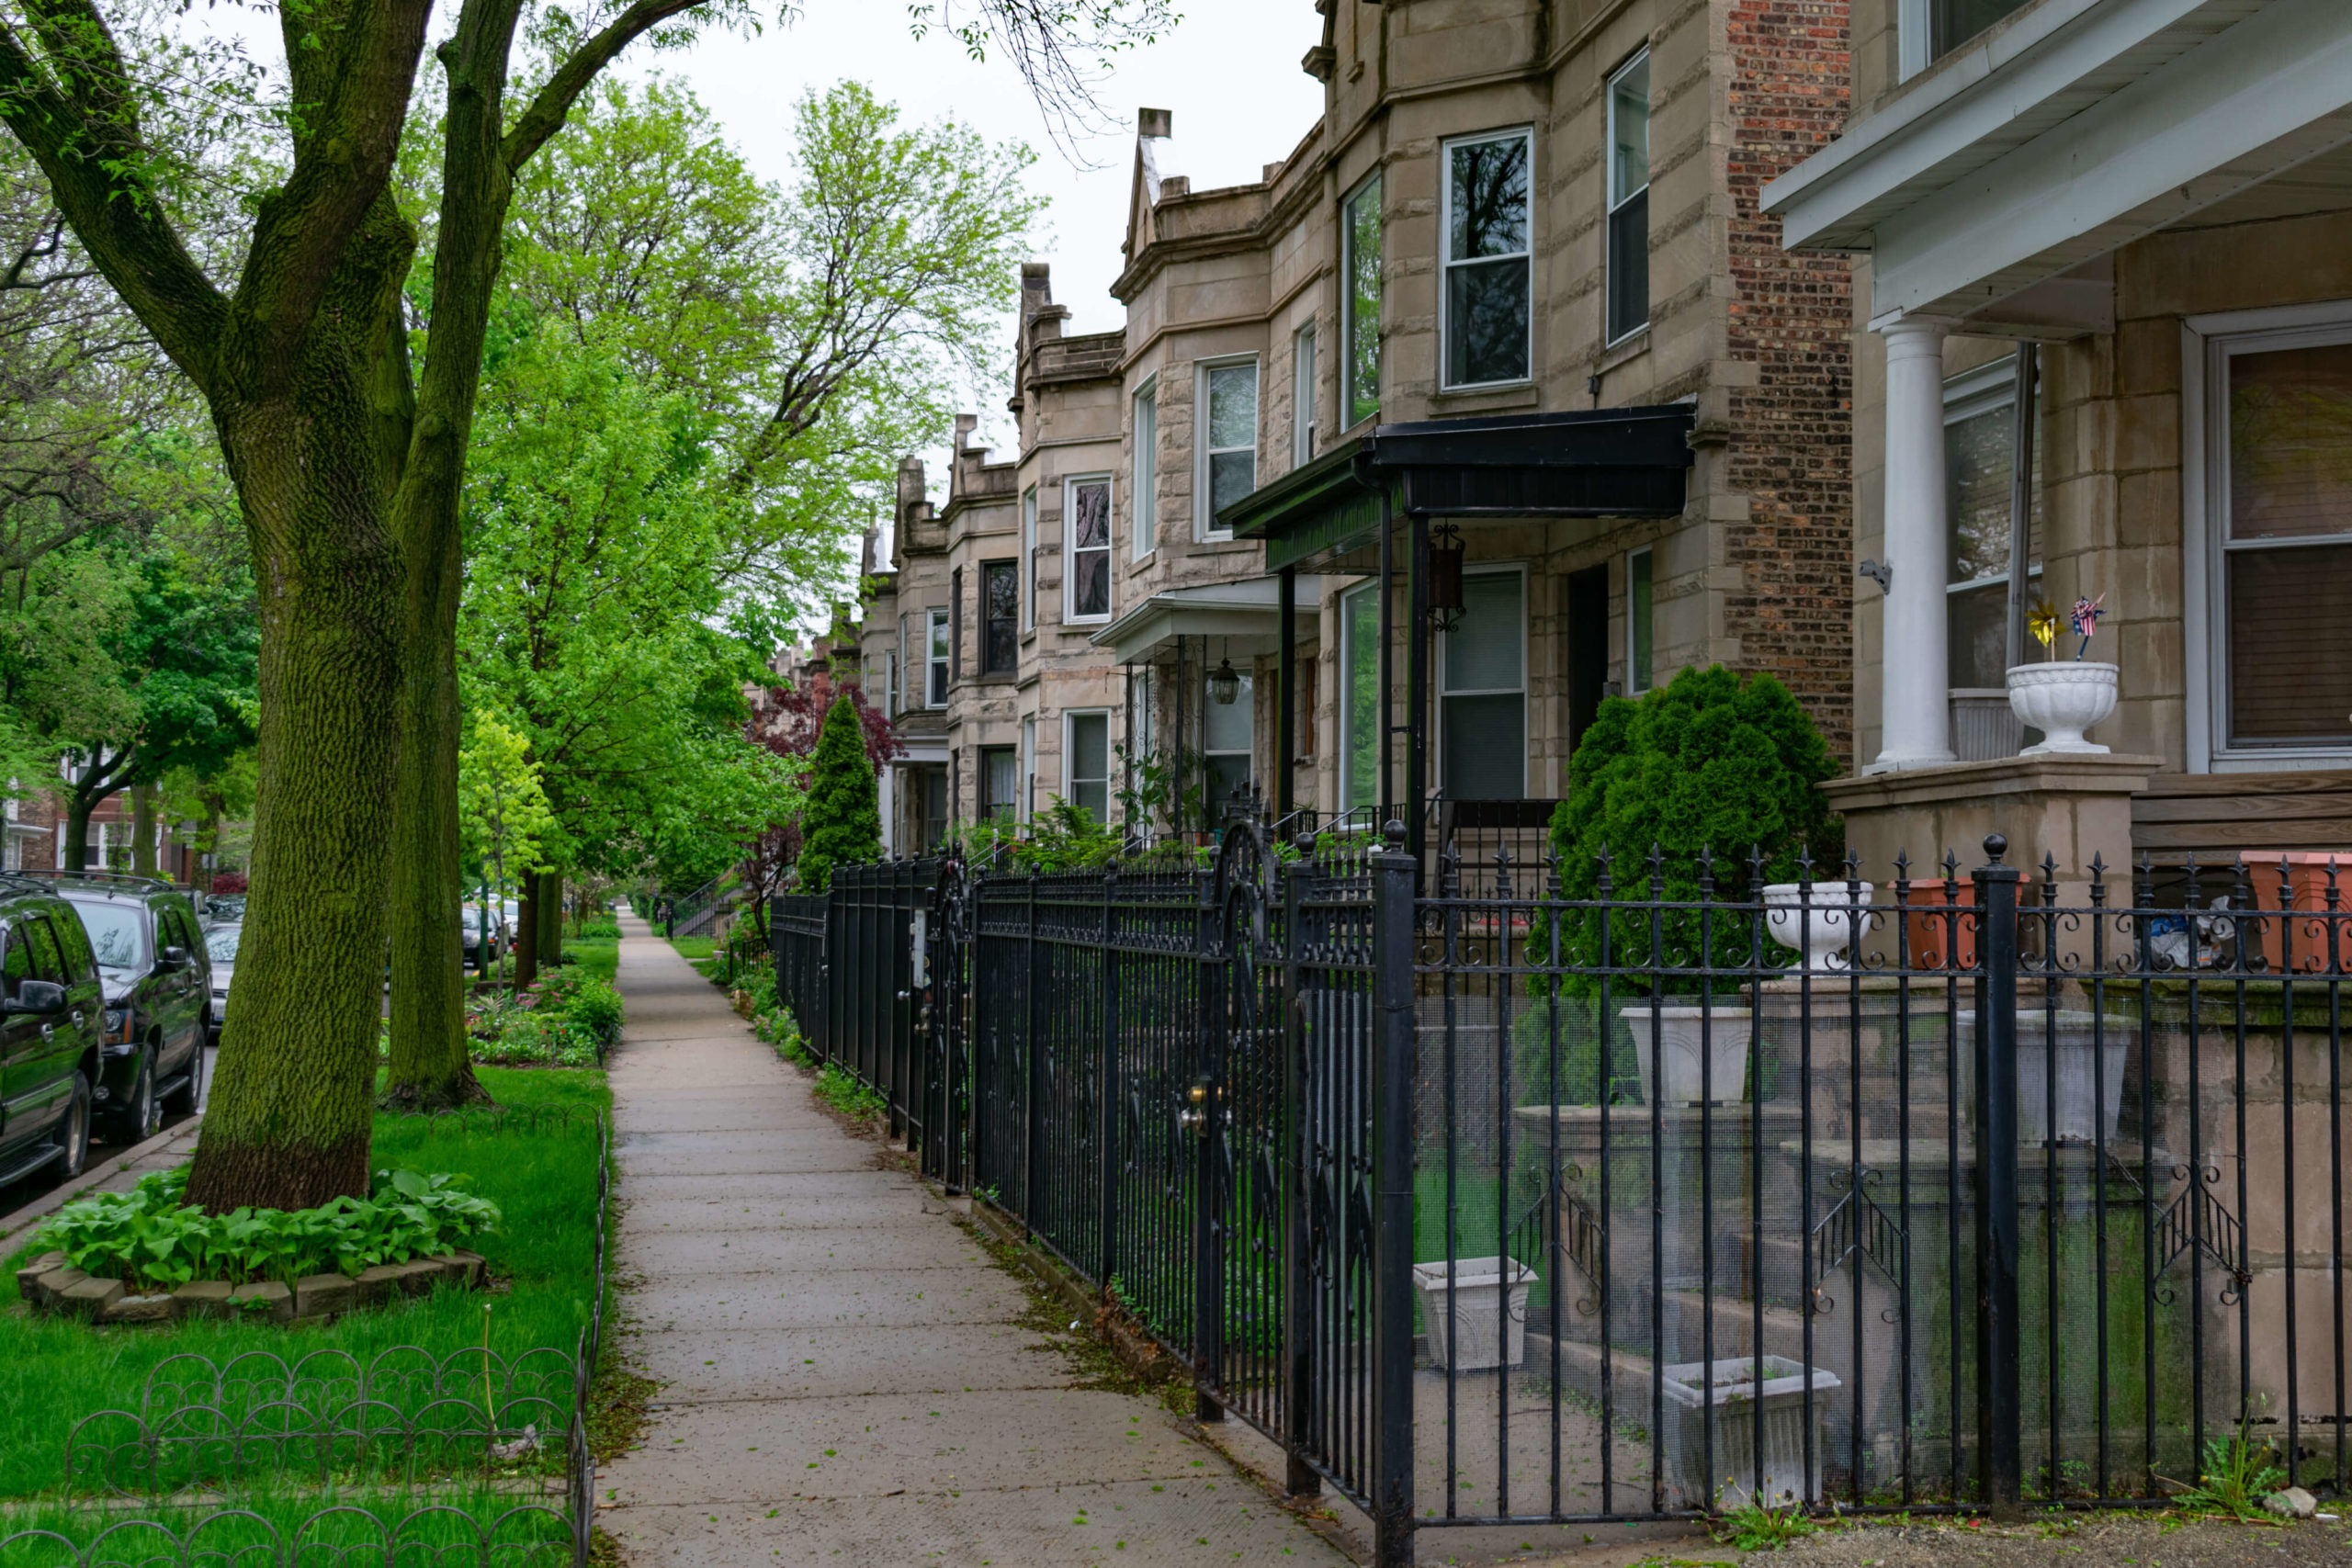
pixel 155 975
pixel 485 934
pixel 50 1003
pixel 223 908
pixel 220 949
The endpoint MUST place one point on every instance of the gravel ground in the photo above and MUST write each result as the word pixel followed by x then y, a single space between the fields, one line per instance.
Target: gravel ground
pixel 2108 1543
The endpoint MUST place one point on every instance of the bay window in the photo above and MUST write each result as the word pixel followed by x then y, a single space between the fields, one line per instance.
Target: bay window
pixel 1228 439
pixel 1085 549
pixel 1359 283
pixel 1143 488
pixel 1628 260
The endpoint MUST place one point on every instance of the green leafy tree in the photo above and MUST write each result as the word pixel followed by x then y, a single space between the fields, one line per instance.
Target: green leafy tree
pixel 1706 773
pixel 347 449
pixel 844 816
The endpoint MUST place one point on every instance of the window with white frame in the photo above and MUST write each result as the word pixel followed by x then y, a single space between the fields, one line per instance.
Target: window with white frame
pixel 1143 493
pixel 1359 702
pixel 1086 548
pixel 890 693
pixel 1487 260
pixel 1359 283
pixel 1928 30
pixel 1226 731
pixel 1228 439
pixel 1628 263
pixel 1086 762
pixel 1638 670
pixel 2270 538
pixel 1980 463
pixel 999 783
pixel 1029 559
pixel 1301 395
pixel 935 660
pixel 1482 689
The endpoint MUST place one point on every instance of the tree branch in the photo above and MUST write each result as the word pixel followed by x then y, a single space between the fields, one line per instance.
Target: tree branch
pixel 546 115
pixel 80 150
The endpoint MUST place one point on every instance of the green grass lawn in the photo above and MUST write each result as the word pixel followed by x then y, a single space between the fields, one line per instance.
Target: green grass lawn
pixel 696 950
pixel 53 1372
pixel 597 955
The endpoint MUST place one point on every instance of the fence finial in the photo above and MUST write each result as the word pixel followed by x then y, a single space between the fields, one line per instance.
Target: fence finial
pixel 1395 834
pixel 1996 846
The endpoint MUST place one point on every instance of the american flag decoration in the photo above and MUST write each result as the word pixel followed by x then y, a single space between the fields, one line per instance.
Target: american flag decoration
pixel 2085 619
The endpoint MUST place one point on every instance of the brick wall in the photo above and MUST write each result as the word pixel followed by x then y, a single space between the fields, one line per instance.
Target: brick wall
pixel 1791 317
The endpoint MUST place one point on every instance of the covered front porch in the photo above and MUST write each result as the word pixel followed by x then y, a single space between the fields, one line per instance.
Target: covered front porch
pixel 1460 658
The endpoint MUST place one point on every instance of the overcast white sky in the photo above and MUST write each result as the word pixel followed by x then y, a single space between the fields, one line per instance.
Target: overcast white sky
pixel 1229 72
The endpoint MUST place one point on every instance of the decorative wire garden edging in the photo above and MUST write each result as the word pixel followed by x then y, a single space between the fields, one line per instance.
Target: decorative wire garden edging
pixel 201 1423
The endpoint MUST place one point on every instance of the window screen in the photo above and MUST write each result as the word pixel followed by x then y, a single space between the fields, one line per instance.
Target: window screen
pixel 2287 553
pixel 1485 691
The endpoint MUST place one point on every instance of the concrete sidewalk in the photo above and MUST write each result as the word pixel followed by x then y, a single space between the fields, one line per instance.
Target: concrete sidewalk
pixel 846 1377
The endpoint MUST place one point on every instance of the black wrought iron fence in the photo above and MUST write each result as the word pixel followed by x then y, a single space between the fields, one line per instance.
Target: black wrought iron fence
pixel 1491 1203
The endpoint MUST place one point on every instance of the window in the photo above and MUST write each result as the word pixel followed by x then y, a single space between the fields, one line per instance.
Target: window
pixel 1360 703
pixel 890 693
pixel 1086 530
pixel 1486 260
pixel 1637 622
pixel 2276 550
pixel 1000 617
pixel 934 806
pixel 1980 458
pixel 1929 30
pixel 1145 491
pixel 1482 687
pixel 15 960
pixel 935 693
pixel 1086 763
pixel 1360 304
pixel 999 783
pixel 1029 557
pixel 1226 735
pixel 1301 395
pixel 1629 198
pixel 955 623
pixel 1028 767
pixel 1228 439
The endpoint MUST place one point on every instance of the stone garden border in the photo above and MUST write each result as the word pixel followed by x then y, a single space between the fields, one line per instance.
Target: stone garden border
pixel 51 1287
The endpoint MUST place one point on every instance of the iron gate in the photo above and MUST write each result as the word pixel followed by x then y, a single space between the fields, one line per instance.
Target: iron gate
pixel 1643 1192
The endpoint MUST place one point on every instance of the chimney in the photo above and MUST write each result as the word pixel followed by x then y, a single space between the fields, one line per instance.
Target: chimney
pixel 913 490
pixel 965 425
pixel 1152 128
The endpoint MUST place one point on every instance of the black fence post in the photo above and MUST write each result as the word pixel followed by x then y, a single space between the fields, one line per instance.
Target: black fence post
pixel 1214 946
pixel 1107 1087
pixel 1390 1485
pixel 1033 1073
pixel 2000 1414
pixel 1298 1278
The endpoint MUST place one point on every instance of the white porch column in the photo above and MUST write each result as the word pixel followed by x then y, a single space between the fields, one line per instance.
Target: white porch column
pixel 1914 683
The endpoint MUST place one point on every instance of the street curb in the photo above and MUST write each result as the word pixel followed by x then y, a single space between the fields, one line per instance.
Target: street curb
pixel 57 1197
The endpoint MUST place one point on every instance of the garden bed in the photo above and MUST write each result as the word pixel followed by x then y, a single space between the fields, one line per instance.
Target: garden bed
pixel 50 1284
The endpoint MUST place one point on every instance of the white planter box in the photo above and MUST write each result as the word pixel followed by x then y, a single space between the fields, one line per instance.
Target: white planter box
pixel 2080 1113
pixel 1733 1391
pixel 1676 1051
pixel 1473 1337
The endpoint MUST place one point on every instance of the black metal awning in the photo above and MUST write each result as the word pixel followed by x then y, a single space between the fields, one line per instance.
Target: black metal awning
pixel 1604 463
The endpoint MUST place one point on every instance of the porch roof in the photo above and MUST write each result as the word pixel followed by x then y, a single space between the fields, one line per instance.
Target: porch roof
pixel 1990 188
pixel 1629 462
pixel 1246 614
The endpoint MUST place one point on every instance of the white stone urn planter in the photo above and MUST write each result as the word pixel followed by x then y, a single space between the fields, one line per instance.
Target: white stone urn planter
pixel 1815 920
pixel 2062 699
pixel 1681 1037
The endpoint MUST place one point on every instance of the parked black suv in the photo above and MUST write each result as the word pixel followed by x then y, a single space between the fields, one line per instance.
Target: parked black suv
pixel 156 976
pixel 51 1003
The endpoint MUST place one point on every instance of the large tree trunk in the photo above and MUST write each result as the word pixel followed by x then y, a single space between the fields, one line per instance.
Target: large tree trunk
pixel 550 917
pixel 526 927
pixel 291 1111
pixel 76 856
pixel 142 829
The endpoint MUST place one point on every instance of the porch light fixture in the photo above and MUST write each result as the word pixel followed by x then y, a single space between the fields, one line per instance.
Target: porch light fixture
pixel 1445 577
pixel 1224 685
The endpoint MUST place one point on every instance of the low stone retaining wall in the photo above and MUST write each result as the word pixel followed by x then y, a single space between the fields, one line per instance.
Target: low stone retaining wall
pixel 50 1285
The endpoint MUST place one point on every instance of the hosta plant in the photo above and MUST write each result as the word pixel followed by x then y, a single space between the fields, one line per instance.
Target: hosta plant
pixel 151 1241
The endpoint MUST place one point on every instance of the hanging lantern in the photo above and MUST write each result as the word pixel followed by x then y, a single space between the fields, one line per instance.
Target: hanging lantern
pixel 1225 685
pixel 1445 577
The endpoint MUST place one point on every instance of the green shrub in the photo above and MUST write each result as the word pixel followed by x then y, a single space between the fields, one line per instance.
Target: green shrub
pixel 601 929
pixel 845 815
pixel 850 1097
pixel 149 1239
pixel 1706 771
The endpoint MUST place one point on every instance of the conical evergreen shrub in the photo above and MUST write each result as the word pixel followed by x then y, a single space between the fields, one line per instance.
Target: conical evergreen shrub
pixel 843 820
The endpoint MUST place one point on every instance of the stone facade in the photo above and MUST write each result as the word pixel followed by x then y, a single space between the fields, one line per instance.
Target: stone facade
pixel 1754 573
